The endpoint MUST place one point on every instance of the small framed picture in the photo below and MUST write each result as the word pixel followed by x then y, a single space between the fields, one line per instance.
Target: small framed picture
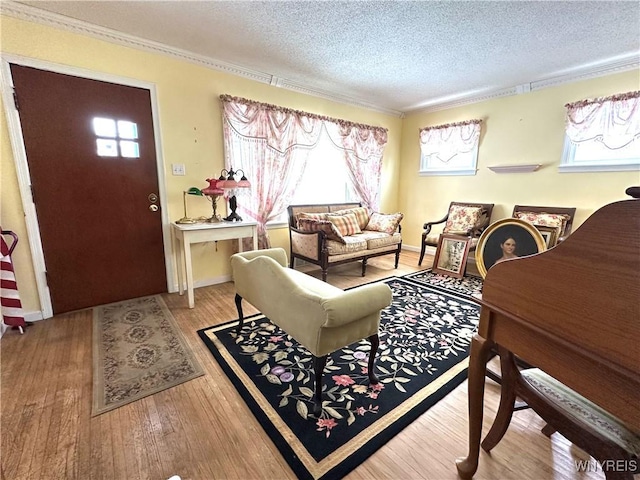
pixel 550 235
pixel 451 255
pixel 505 240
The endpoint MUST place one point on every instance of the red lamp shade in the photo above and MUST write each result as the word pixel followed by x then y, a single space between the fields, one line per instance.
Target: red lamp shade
pixel 214 187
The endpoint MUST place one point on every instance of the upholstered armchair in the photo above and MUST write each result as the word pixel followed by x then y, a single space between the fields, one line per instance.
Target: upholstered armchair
pixel 320 317
pixel 462 218
pixel 556 221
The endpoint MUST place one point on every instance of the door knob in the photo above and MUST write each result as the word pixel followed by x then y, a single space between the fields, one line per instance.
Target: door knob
pixel 153 208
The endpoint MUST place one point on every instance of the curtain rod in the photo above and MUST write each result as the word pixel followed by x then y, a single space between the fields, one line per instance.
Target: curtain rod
pixel 269 106
pixel 612 98
pixel 447 125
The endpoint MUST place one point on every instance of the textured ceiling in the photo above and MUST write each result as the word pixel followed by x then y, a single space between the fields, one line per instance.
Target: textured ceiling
pixel 398 56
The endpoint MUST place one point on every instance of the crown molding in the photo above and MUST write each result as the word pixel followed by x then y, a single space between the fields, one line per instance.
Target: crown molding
pixel 36 15
pixel 608 67
pixel 43 17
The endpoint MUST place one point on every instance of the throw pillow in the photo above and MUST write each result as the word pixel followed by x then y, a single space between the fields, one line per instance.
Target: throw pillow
pixel 314 216
pixel 361 213
pixel 553 220
pixel 462 218
pixel 380 222
pixel 312 225
pixel 346 224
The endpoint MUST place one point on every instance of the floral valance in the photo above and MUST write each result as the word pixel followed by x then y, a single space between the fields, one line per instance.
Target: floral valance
pixel 227 99
pixel 448 140
pixel 614 120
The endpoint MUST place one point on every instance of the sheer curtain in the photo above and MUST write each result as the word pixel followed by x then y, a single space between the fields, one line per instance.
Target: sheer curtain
pixel 446 141
pixel 363 148
pixel 614 120
pixel 271 145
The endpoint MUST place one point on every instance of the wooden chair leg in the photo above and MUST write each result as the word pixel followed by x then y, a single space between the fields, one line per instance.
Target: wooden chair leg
pixel 375 342
pixel 548 430
pixel 398 255
pixel 423 249
pixel 364 266
pixel 507 401
pixel 318 367
pixel 238 300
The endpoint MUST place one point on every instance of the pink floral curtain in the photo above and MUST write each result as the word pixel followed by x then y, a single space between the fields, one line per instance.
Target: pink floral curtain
pixel 271 145
pixel 615 120
pixel 363 149
pixel 446 141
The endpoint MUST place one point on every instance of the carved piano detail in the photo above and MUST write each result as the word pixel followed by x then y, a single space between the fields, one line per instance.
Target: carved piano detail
pixel 573 312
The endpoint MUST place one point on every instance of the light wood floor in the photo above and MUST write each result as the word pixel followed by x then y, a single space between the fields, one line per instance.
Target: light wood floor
pixel 203 430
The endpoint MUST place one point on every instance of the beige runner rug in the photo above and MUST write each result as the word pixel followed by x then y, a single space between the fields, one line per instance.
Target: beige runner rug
pixel 138 350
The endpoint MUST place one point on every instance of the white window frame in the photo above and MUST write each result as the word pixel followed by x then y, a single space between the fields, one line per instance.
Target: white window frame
pixel 452 135
pixel 568 164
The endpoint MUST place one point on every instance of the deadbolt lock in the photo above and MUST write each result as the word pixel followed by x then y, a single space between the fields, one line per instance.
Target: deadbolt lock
pixel 153 198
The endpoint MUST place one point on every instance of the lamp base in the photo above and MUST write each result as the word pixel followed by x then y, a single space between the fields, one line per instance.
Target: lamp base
pixel 234 217
pixel 186 221
pixel 214 219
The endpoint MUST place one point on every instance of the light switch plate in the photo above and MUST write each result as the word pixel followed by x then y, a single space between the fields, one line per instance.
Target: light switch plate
pixel 178 169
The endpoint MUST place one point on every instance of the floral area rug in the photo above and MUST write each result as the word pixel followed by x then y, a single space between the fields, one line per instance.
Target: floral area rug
pixel 468 285
pixel 138 350
pixel 425 335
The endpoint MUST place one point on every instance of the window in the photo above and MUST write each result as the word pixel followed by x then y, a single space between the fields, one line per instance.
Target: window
pixel 603 134
pixel 450 149
pixel 594 156
pixel 325 178
pixel 116 138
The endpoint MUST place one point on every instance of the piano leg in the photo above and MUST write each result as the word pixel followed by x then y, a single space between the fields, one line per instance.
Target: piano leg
pixel 501 423
pixel 480 349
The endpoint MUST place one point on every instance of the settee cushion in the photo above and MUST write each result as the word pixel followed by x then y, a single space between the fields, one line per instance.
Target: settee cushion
pixel 361 213
pixel 380 239
pixel 346 224
pixel 380 222
pixel 312 225
pixel 352 243
pixel 462 219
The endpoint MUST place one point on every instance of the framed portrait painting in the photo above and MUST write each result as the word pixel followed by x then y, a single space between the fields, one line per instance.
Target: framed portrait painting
pixel 451 255
pixel 550 235
pixel 505 240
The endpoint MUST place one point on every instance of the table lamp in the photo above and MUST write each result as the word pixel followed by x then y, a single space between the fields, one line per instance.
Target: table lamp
pixel 230 183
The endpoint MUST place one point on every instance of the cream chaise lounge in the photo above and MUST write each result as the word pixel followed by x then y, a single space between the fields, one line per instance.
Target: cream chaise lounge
pixel 319 316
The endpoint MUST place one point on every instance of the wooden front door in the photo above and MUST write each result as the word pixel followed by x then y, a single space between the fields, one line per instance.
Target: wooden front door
pixel 92 161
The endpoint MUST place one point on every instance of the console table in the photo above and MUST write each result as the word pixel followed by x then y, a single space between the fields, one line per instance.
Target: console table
pixel 183 236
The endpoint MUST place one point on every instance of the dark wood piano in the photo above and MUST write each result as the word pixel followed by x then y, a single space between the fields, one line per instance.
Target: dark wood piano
pixel 573 312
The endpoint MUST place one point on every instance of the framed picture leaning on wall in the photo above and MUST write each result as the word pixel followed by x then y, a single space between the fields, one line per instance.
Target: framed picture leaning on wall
pixel 550 235
pixel 507 239
pixel 451 255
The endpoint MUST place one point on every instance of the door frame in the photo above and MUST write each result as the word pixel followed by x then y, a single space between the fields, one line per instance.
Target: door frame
pixel 14 127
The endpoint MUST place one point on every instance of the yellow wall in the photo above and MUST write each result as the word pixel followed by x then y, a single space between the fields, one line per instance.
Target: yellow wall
pixel 521 129
pixel 190 124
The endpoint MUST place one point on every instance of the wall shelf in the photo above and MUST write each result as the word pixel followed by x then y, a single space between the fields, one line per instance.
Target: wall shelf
pixel 532 167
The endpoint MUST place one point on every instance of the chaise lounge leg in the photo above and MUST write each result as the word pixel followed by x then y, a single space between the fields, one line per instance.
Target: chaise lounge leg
pixel 318 367
pixel 238 301
pixel 364 266
pixel 375 342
